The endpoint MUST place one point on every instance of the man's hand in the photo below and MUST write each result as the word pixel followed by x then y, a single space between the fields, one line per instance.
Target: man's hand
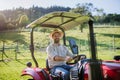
pixel 68 58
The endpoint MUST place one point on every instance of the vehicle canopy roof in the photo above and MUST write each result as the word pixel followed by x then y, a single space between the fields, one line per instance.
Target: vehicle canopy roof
pixel 64 20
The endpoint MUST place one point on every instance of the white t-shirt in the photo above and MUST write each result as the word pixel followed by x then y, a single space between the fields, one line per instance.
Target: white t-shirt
pixel 57 50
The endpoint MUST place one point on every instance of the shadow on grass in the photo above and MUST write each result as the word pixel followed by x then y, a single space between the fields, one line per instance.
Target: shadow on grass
pixel 5 61
pixel 110 35
pixel 12 36
pixel 5 54
pixel 18 60
pixel 107 35
pixel 103 45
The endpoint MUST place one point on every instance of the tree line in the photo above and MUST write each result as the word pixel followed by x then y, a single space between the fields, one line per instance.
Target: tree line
pixel 18 18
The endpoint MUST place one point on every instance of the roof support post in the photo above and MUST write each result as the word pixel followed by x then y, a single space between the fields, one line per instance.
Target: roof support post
pixel 32 48
pixel 95 64
pixel 64 36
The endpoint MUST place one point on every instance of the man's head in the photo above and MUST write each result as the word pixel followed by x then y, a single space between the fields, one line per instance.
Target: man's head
pixel 56 35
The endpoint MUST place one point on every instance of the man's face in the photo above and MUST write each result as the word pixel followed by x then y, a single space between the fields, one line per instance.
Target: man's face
pixel 56 37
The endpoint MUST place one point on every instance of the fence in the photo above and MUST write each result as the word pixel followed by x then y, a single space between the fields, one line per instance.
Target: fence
pixel 103 42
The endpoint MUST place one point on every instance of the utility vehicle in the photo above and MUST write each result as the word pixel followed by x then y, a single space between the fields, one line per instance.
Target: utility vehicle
pixel 87 69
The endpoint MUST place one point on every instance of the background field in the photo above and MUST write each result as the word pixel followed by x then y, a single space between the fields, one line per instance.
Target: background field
pixel 16 55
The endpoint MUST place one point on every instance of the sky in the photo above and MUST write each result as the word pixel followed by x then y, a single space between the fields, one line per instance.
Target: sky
pixel 109 6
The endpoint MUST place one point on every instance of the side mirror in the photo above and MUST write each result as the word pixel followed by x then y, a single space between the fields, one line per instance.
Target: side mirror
pixel 73 46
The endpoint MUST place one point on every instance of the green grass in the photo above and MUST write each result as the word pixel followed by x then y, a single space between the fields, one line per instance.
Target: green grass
pixel 10 69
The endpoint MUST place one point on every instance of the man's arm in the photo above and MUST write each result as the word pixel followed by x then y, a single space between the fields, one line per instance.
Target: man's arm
pixel 60 58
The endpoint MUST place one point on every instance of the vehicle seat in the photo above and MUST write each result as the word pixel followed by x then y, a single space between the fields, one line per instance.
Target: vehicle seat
pixel 54 77
pixel 47 65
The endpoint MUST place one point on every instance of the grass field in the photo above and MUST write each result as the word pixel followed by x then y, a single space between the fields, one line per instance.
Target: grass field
pixel 10 68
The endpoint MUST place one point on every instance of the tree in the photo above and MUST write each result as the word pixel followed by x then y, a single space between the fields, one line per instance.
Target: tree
pixel 23 21
pixel 7 24
pixel 113 19
pixel 83 9
pixel 88 9
pixel 2 22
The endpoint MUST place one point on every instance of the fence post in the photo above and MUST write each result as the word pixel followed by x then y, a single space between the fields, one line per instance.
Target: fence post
pixel 3 50
pixel 16 50
pixel 113 43
pixel 2 55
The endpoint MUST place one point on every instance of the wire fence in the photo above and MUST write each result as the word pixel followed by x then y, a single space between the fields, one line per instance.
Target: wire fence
pixel 111 43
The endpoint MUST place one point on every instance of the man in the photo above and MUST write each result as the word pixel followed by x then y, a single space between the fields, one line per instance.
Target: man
pixel 58 55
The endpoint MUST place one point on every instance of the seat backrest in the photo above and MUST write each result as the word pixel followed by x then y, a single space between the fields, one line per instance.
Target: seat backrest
pixel 73 46
pixel 47 65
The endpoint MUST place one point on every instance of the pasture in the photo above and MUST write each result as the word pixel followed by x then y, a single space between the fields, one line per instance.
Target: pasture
pixel 15 56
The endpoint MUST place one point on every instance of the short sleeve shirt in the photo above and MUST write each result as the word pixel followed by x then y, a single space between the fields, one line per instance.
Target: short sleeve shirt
pixel 57 50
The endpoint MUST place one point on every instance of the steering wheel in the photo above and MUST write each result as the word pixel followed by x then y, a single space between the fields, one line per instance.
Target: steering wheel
pixel 79 57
